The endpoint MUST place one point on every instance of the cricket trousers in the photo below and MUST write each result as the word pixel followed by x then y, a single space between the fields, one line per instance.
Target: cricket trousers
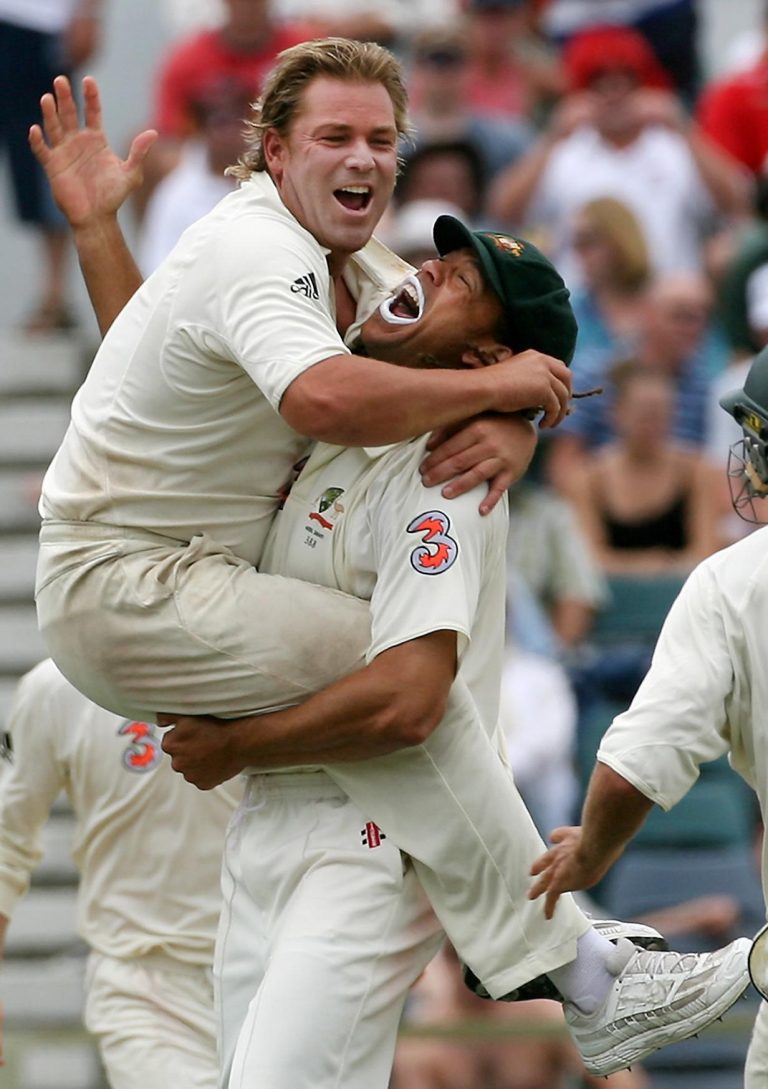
pixel 141 627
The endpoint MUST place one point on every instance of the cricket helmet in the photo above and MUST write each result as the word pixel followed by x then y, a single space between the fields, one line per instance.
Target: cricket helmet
pixel 748 459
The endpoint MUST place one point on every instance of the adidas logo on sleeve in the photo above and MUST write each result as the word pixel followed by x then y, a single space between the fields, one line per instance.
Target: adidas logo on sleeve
pixel 306 285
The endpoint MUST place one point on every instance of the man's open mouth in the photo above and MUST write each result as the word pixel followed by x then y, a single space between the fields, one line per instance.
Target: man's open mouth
pixel 355 198
pixel 406 305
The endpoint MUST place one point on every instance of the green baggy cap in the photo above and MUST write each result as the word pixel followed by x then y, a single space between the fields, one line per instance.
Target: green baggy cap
pixel 536 302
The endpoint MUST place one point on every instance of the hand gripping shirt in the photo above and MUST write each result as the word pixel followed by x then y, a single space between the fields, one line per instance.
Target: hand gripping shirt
pixel 147 844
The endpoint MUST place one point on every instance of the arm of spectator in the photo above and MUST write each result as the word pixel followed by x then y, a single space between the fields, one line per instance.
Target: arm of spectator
pixel 513 189
pixel 703 513
pixel 394 702
pixel 727 181
pixel 89 183
pixel 82 35
pixel 571 620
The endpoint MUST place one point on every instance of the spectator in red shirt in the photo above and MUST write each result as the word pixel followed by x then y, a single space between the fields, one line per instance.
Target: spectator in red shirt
pixel 733 111
pixel 237 54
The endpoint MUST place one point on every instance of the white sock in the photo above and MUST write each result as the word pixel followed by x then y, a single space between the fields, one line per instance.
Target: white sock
pixel 586 981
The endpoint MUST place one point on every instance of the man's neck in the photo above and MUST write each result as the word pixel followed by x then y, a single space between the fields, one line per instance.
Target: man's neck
pixel 346 304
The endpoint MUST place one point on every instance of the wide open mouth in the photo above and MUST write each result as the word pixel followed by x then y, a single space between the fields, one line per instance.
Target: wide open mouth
pixel 406 305
pixel 355 198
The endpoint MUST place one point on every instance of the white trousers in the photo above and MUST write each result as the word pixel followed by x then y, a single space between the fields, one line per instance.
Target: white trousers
pixel 324 928
pixel 154 1022
pixel 141 628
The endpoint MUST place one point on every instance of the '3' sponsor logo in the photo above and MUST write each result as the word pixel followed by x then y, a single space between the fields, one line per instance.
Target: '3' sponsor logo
pixel 438 550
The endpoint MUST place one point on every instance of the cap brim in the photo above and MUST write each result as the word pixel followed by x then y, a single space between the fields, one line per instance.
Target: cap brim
pixel 451 234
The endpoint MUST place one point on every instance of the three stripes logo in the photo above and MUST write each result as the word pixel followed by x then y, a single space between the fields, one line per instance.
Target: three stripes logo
pixel 371 835
pixel 306 285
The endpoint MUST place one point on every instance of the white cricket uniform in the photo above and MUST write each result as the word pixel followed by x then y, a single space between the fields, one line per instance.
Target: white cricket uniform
pixel 706 694
pixel 148 850
pixel 159 499
pixel 323 913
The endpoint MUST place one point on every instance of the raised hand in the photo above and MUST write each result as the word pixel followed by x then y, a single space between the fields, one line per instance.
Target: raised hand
pixel 89 181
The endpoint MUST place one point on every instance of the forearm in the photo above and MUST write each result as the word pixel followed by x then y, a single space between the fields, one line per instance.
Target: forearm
pixel 111 275
pixel 613 812
pixel 391 704
pixel 728 183
pixel 511 193
pixel 354 401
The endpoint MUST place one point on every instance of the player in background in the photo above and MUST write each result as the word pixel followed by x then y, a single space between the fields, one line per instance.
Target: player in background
pixel 148 850
pixel 705 694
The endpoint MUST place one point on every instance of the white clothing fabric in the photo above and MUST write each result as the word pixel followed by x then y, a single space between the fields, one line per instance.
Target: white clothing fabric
pixel 176 429
pixel 324 929
pixel 148 849
pixel 123 793
pixel 189 192
pixel 154 1021
pixel 656 176
pixel 538 716
pixel 49 16
pixel 706 694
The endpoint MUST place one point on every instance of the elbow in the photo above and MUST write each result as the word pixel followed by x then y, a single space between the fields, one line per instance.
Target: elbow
pixel 408 723
pixel 316 405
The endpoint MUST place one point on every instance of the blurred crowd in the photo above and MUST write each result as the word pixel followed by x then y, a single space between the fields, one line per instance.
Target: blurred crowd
pixel 590 127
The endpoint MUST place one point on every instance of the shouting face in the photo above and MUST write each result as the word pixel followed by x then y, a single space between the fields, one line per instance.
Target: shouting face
pixel 335 168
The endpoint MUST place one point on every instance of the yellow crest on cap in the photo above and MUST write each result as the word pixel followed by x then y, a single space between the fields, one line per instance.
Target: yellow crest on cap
pixel 510 245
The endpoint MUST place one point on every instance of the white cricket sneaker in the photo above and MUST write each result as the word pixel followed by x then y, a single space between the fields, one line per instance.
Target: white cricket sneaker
pixel 657 999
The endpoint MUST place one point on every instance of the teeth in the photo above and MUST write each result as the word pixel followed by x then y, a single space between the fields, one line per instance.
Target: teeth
pixel 356 189
pixel 413 289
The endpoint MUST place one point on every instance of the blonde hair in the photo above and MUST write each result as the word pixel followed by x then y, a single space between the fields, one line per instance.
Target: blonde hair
pixel 618 225
pixel 336 58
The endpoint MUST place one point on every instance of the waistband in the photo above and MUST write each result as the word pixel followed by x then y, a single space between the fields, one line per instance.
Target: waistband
pixel 77 532
pixel 314 783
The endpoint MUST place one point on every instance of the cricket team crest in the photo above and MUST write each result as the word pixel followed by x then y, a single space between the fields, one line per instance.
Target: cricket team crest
pixel 438 550
pixel 509 245
pixel 328 508
pixel 143 752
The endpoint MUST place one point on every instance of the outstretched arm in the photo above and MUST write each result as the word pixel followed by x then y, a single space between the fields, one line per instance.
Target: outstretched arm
pixel 89 183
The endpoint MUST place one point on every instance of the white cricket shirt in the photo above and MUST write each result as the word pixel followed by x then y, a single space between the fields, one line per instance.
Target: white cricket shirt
pixel 176 429
pixel 361 521
pixel 148 845
pixel 707 690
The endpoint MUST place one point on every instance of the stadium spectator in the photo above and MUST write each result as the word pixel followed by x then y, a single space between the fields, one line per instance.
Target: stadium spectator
pixel 674 337
pixel 239 52
pixel 733 111
pixel 198 181
pixel 148 904
pixel 619 133
pixel 646 502
pixel 449 171
pixel 441 110
pixel 546 547
pixel 670 26
pixel 614 274
pixel 510 72
pixel 39 39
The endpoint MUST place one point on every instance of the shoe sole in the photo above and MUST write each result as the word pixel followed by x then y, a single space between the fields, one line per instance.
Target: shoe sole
pixel 633 1050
